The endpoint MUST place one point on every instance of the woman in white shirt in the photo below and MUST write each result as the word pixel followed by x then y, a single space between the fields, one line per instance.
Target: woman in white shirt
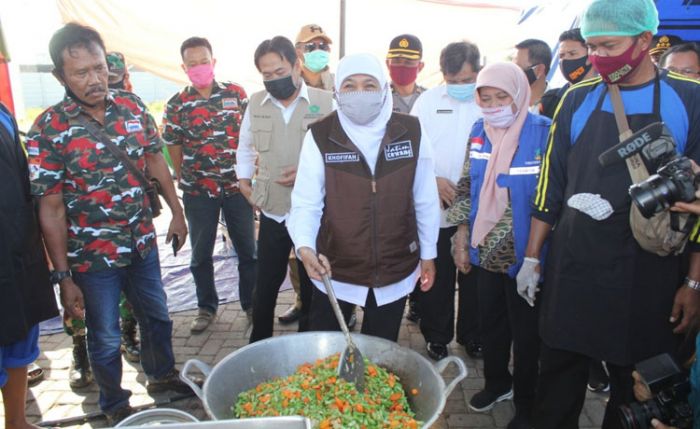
pixel 365 199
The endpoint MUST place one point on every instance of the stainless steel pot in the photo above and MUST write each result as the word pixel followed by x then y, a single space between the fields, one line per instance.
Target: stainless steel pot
pixel 157 417
pixel 287 422
pixel 280 356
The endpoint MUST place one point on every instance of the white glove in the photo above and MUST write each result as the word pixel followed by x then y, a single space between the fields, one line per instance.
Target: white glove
pixel 527 279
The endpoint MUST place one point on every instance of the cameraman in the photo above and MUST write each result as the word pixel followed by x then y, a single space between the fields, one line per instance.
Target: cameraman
pixel 605 297
pixel 694 398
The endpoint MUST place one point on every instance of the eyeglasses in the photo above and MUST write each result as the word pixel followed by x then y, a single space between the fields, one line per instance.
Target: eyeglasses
pixel 311 46
pixel 685 72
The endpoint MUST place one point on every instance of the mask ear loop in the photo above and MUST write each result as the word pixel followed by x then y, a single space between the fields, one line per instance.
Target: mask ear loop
pixel 517 108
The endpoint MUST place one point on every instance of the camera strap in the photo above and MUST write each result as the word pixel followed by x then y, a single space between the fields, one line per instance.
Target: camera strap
pixel 635 164
pixel 664 233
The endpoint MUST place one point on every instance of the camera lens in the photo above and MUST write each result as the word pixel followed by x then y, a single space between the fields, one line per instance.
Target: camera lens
pixel 627 418
pixel 654 195
pixel 638 415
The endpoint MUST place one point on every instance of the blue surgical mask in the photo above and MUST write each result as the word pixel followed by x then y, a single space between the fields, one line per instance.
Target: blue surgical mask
pixel 461 91
pixel 316 60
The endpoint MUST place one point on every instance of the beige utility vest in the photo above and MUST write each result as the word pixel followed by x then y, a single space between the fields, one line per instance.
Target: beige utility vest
pixel 279 144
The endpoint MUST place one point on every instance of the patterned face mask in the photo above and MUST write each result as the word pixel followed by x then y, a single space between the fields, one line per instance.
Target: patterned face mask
pixel 361 107
pixel 499 117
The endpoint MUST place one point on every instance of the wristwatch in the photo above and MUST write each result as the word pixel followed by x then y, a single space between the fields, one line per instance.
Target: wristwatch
pixel 693 284
pixel 59 276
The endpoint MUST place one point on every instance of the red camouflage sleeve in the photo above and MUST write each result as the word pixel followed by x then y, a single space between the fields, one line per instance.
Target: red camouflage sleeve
pixel 46 162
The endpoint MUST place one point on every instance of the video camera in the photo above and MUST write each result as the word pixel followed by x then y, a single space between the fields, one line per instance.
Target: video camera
pixel 674 179
pixel 670 387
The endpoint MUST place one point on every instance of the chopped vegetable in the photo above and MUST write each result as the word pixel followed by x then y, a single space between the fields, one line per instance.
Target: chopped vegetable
pixel 316 392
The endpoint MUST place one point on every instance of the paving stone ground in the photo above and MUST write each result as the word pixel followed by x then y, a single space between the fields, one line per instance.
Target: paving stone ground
pixel 53 399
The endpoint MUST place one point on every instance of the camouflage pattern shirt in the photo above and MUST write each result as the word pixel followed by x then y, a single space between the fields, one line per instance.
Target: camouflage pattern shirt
pixel 207 130
pixel 107 210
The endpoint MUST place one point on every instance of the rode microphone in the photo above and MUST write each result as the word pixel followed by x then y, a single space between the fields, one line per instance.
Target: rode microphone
pixel 652 142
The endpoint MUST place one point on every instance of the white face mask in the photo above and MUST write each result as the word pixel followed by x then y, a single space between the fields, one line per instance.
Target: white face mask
pixel 361 107
pixel 499 117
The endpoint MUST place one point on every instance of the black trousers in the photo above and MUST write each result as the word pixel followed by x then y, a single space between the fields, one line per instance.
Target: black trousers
pixel 437 305
pixel 274 245
pixel 383 321
pixel 561 390
pixel 506 318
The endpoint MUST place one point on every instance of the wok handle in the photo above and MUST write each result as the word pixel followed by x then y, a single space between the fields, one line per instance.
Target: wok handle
pixel 204 368
pixel 463 372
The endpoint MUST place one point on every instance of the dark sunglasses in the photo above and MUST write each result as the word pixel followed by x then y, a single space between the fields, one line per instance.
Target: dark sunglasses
pixel 311 46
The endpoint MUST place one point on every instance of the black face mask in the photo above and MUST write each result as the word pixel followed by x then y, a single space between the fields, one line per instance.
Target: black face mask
pixel 281 88
pixel 531 76
pixel 575 70
pixel 117 85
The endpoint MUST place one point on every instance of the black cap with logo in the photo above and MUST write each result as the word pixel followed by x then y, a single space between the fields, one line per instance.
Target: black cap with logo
pixel 405 46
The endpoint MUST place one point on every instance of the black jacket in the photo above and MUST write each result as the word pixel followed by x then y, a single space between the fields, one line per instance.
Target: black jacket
pixel 26 294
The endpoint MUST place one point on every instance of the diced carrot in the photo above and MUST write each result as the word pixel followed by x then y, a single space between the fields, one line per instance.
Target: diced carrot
pixel 285 403
pixel 325 424
pixel 359 408
pixel 391 381
pixel 372 371
pixel 395 396
pixel 414 391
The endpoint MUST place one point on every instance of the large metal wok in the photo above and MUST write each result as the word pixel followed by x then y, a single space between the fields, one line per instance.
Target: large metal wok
pixel 280 356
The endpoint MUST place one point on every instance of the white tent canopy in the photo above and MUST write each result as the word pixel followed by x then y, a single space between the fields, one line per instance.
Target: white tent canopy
pixel 149 33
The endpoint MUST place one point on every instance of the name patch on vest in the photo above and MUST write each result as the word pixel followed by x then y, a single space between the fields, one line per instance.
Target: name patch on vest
pixel 398 150
pixel 340 157
pixel 520 171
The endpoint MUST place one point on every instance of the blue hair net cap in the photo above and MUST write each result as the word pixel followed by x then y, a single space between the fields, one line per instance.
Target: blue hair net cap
pixel 619 18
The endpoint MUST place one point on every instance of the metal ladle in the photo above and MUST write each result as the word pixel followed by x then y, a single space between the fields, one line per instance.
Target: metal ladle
pixel 351 366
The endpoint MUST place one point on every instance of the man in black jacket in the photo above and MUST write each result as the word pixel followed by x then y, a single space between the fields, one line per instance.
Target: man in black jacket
pixel 27 294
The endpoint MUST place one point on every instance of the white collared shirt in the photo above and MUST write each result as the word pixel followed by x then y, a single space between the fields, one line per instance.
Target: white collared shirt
pixel 246 154
pixel 307 209
pixel 448 123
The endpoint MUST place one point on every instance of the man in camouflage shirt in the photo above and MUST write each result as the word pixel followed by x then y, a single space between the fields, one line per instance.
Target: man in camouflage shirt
pixel 201 126
pixel 96 218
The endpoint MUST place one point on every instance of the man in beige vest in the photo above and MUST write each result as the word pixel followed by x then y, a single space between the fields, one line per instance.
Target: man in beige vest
pixel 313 49
pixel 272 132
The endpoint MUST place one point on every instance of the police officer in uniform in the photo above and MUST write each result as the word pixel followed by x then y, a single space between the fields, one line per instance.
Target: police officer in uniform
pixel 404 61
